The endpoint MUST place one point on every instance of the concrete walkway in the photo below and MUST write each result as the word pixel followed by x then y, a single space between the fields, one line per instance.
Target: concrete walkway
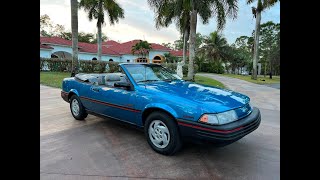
pixel 261 96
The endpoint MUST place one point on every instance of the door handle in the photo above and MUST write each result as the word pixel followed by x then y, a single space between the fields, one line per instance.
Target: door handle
pixel 96 89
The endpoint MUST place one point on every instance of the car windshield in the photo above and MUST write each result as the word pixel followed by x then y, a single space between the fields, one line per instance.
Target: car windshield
pixel 150 73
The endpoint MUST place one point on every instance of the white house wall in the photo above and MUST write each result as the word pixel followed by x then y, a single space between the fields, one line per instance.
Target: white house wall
pixel 152 54
pixel 130 57
pixel 45 53
pixel 81 55
pixel 89 56
pixel 61 48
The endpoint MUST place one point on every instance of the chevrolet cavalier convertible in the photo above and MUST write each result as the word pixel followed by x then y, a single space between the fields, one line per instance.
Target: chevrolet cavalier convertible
pixel 168 109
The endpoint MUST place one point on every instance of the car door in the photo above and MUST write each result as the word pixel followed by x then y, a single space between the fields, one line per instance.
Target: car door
pixel 115 102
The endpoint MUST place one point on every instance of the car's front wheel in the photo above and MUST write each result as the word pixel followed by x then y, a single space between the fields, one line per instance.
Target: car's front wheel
pixel 162 133
pixel 77 109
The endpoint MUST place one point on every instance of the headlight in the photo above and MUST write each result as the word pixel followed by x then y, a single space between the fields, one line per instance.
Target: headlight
pixel 220 118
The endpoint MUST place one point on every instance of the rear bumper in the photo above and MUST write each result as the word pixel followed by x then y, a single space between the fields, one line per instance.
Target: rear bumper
pixel 225 133
pixel 64 96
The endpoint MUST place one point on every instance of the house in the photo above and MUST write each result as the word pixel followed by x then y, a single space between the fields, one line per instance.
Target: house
pixel 56 47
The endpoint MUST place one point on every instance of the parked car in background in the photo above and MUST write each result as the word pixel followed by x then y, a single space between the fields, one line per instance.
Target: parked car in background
pixel 168 109
pixel 245 73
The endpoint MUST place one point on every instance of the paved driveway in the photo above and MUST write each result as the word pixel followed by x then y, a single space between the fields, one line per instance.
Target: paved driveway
pixel 104 149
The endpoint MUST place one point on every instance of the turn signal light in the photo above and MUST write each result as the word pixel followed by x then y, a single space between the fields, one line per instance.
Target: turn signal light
pixel 204 119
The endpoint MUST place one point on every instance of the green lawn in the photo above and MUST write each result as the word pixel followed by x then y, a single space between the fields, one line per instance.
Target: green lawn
pixel 208 81
pixel 275 79
pixel 53 79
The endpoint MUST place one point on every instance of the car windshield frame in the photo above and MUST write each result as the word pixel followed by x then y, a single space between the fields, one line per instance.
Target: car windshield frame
pixel 145 73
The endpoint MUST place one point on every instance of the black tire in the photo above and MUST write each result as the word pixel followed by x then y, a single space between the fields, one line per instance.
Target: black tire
pixel 175 142
pixel 82 112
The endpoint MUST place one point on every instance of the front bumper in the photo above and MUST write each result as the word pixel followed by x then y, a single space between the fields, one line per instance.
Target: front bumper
pixel 224 133
pixel 64 96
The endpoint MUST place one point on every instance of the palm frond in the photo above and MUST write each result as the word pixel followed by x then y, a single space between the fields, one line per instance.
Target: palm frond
pixel 219 12
pixel 114 10
pixel 250 1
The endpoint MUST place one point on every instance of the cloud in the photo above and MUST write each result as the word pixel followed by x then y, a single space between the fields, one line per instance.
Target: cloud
pixel 139 21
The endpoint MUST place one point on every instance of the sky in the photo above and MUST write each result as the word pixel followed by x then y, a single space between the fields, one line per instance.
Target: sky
pixel 139 21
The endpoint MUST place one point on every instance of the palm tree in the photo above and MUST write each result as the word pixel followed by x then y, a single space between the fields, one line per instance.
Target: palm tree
pixel 205 9
pixel 256 11
pixel 74 27
pixel 96 10
pixel 215 47
pixel 178 11
pixel 142 48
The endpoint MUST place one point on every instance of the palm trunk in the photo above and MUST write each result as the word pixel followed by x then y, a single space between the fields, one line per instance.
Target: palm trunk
pixel 192 44
pixel 185 40
pixel 265 69
pixel 256 45
pixel 99 42
pixel 99 33
pixel 74 29
pixel 270 76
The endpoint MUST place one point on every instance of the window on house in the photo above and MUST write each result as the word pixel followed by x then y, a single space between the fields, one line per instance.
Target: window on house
pixel 94 58
pixel 110 59
pixel 54 56
pixel 128 60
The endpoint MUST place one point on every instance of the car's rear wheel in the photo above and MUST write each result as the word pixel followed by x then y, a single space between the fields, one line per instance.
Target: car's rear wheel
pixel 77 109
pixel 162 133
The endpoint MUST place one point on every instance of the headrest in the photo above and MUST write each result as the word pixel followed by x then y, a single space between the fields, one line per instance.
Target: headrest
pixel 112 77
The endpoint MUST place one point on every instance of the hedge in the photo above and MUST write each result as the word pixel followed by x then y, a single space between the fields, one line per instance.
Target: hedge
pixel 94 66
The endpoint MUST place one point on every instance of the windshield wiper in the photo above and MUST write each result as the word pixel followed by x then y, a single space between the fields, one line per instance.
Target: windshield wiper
pixel 148 80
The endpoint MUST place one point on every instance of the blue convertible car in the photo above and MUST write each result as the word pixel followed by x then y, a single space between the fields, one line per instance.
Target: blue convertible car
pixel 168 108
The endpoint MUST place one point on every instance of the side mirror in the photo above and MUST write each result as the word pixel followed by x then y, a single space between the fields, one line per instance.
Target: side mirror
pixel 122 84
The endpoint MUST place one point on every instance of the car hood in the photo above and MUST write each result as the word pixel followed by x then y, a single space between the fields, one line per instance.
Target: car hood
pixel 212 99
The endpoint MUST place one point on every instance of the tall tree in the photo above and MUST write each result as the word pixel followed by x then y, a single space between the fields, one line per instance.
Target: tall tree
pixel 96 8
pixel 269 34
pixel 74 29
pixel 215 47
pixel 45 23
pixel 256 11
pixel 142 48
pixel 177 11
pixel 205 9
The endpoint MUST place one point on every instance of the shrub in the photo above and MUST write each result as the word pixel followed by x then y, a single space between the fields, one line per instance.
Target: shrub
pixel 170 66
pixel 101 66
pixel 55 64
pixel 212 67
pixel 86 66
pixel 113 67
pixel 185 69
pixel 90 66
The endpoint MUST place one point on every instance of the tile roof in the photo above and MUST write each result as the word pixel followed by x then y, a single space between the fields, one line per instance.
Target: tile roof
pixel 110 43
pixel 159 47
pixel 115 48
pixel 125 48
pixel 45 47
pixel 83 47
pixel 55 40
pixel 178 52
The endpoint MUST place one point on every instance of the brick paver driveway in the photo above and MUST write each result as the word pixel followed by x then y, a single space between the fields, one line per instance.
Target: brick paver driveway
pixel 104 149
